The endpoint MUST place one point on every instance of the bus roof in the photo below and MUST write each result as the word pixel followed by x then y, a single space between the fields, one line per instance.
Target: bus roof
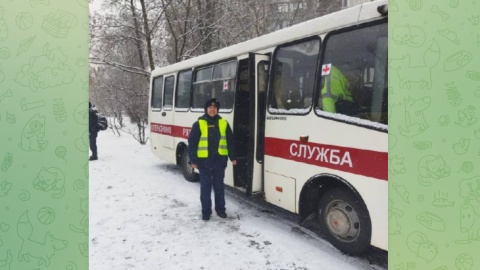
pixel 351 16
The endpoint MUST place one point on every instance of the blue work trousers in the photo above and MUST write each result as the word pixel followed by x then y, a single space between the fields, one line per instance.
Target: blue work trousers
pixel 212 178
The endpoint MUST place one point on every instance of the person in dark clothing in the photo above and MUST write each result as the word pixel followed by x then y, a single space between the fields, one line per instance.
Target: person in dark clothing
pixel 210 144
pixel 92 130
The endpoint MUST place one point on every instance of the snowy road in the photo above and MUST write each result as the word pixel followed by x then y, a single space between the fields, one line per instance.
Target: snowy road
pixel 144 215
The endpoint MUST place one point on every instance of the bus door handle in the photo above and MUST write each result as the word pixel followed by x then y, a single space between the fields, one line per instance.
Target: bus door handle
pixel 164 113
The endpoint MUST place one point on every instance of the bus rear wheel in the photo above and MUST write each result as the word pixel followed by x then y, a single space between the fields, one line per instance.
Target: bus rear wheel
pixel 344 221
pixel 187 171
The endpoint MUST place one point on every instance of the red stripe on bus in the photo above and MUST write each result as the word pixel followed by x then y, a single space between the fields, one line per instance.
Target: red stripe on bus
pixel 358 161
pixel 170 130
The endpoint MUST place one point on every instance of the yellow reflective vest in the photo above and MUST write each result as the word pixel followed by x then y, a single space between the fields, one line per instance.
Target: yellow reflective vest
pixel 202 150
pixel 336 86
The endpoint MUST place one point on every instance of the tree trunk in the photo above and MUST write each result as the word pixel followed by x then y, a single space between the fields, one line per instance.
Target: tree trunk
pixel 148 37
pixel 137 34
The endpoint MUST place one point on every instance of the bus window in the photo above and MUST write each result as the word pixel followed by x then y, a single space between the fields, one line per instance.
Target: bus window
pixel 182 98
pixel 294 67
pixel 202 87
pixel 224 83
pixel 168 93
pixel 204 74
pixel 216 81
pixel 157 86
pixel 225 70
pixel 354 74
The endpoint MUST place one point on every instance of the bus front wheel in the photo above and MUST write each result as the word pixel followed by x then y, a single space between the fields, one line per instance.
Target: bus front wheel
pixel 187 171
pixel 344 221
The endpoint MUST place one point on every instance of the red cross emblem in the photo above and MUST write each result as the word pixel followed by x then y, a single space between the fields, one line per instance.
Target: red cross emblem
pixel 326 69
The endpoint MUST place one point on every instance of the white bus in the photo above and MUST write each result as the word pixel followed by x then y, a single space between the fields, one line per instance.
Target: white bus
pixel 303 144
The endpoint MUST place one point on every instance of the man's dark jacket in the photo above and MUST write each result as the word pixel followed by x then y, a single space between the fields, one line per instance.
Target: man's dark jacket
pixel 93 121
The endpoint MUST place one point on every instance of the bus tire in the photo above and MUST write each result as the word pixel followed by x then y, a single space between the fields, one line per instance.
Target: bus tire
pixel 344 221
pixel 187 171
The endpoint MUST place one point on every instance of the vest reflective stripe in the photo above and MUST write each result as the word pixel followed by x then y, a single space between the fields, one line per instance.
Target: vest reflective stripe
pixel 222 145
pixel 202 149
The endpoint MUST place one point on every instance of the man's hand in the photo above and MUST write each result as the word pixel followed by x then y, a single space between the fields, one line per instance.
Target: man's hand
pixel 195 166
pixel 234 162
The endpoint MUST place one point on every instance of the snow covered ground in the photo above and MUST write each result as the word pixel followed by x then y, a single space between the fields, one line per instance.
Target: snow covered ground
pixel 144 215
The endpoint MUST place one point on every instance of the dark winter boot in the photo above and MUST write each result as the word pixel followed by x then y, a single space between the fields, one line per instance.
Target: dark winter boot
pixel 93 158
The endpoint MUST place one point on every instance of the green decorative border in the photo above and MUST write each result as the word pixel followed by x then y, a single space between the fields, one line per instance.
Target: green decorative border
pixel 434 173
pixel 43 134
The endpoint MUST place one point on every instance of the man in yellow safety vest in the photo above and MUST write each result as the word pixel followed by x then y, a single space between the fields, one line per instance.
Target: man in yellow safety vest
pixel 335 87
pixel 210 144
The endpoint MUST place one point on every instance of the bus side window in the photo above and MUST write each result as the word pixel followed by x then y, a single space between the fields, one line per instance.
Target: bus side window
pixel 282 83
pixel 157 87
pixel 182 95
pixel 217 81
pixel 202 87
pixel 224 78
pixel 354 73
pixel 201 93
pixel 291 89
pixel 168 93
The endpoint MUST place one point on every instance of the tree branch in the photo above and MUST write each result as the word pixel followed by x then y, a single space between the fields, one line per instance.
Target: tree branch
pixel 122 67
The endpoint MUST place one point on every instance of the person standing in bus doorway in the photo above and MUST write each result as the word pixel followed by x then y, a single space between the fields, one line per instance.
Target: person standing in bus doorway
pixel 210 144
pixel 92 130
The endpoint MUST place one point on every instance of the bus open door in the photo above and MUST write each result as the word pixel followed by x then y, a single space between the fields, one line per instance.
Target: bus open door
pixel 248 122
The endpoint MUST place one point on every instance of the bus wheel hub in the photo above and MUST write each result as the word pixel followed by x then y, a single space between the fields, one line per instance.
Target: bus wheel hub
pixel 338 222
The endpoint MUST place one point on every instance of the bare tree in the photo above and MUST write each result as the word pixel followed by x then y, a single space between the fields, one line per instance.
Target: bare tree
pixel 121 44
pixel 197 27
pixel 135 36
pixel 101 99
